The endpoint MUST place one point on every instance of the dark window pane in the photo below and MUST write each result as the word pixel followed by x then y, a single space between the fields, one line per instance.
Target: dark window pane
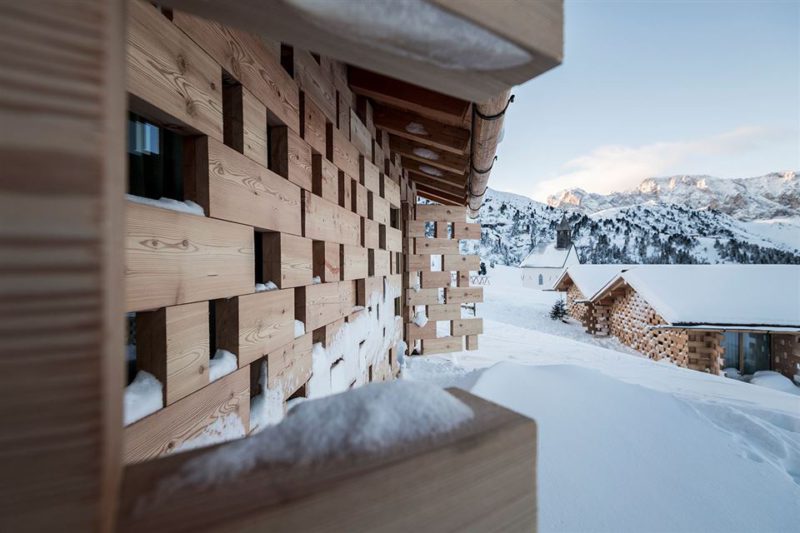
pixel 730 343
pixel 756 352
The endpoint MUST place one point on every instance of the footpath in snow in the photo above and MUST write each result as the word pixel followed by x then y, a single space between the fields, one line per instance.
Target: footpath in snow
pixel 627 444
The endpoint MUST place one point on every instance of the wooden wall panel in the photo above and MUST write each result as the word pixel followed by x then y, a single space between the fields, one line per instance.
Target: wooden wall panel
pixel 461 262
pixel 463 295
pixel 360 136
pixel 379 262
pixel 435 280
pixel 327 261
pixel 310 79
pixel 289 367
pixel 341 151
pixel 370 175
pixel 326 221
pixel 435 246
pixel 254 123
pixel 378 209
pixel 370 233
pixel 325 178
pixel 290 156
pixel 443 213
pixel 444 312
pixel 391 239
pixel 442 345
pixel 287 260
pixel 355 262
pixel 233 187
pixel 360 199
pixel 466 326
pixel 318 305
pixel 391 191
pixel 312 125
pixel 174 258
pixel 466 230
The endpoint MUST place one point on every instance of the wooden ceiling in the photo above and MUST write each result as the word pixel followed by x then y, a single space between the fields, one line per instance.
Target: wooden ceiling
pixel 430 131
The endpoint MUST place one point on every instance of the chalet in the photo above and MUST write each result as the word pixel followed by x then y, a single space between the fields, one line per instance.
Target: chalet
pixel 260 230
pixel 705 317
pixel 547 261
pixel 581 282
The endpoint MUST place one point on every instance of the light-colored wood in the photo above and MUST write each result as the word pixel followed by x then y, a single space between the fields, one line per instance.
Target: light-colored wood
pixel 355 262
pixel 416 228
pixel 173 345
pixel 423 297
pixel 370 175
pixel 412 126
pixel 428 331
pixel 321 304
pixel 463 295
pixel 312 124
pixel 246 58
pixel 172 76
pixel 444 312
pixel 290 156
pixel 62 178
pixel 418 262
pixel 440 213
pixel 287 260
pixel 251 326
pixel 289 367
pixel 485 136
pixel 391 191
pixel 461 263
pixel 166 430
pixel 233 187
pixel 466 327
pixel 360 136
pixel 379 262
pixel 448 471
pixel 471 342
pixel 326 221
pixel 390 239
pixel 254 123
pixel 327 261
pixel 435 246
pixel 310 79
pixel 325 178
pixel 378 209
pixel 360 199
pixel 370 233
pixel 435 280
pixel 466 230
pixel 429 155
pixel 442 345
pixel 341 151
pixel 174 258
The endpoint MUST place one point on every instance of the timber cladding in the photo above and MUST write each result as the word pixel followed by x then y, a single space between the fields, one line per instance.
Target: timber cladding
pixel 299 189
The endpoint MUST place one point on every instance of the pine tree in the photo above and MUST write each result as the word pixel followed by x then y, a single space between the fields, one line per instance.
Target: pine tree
pixel 559 310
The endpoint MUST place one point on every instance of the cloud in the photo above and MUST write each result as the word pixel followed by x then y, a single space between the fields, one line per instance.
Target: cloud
pixel 615 168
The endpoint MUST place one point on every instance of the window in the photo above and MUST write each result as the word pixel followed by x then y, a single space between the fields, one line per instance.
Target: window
pixel 747 352
pixel 155 160
pixel 541 280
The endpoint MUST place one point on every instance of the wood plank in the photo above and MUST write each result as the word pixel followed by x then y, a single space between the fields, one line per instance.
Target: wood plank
pixel 370 175
pixel 172 76
pixel 391 191
pixel 417 228
pixel 345 190
pixel 341 151
pixel 441 186
pixel 418 262
pixel 412 126
pixel 435 280
pixel 309 77
pixel 324 178
pixel 391 239
pixel 466 327
pixel 423 297
pixel 253 325
pixel 233 187
pixel 428 331
pixel 254 122
pixel 360 199
pixel 379 262
pixel 287 260
pixel 326 221
pixel 434 175
pixel 355 262
pixel 471 342
pixel 444 312
pixel 435 195
pixel 379 209
pixel 440 213
pixel 312 124
pixel 290 156
pixel 461 263
pixel 289 367
pixel 442 345
pixel 368 289
pixel 165 430
pixel 173 345
pixel 431 155
pixel 465 230
pixel 463 295
pixel 174 258
pixel 360 136
pixel 321 304
pixel 435 246
pixel 370 233
pixel 327 261
pixel 246 58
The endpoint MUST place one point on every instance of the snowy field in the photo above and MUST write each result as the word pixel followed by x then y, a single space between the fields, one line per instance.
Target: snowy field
pixel 627 444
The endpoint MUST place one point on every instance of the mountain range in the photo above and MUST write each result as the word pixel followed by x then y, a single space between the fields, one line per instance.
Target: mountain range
pixel 678 219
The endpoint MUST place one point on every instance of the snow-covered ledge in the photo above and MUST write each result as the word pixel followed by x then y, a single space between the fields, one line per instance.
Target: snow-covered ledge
pixel 479 475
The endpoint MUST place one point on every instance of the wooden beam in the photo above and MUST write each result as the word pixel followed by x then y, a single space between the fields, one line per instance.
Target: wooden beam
pixel 422 129
pixel 444 186
pixel 429 155
pixel 437 196
pixel 432 172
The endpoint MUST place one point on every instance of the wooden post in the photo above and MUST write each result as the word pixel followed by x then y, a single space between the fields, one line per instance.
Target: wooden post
pixel 62 110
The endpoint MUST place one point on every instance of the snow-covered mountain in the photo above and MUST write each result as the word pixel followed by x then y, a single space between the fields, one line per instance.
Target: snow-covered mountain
pixel 763 197
pixel 667 220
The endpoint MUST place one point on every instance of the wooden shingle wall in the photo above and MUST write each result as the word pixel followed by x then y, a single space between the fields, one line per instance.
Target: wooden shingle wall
pixel 440 293
pixel 786 353
pixel 574 308
pixel 298 189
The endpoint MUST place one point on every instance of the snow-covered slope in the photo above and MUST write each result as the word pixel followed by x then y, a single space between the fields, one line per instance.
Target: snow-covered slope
pixel 773 195
pixel 653 231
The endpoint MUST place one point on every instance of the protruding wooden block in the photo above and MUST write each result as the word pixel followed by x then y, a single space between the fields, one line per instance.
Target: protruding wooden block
pixel 324 178
pixel 390 190
pixel 465 230
pixel 289 367
pixel 367 289
pixel 326 221
pixel 442 345
pixel 341 151
pixel 312 124
pixel 462 295
pixel 287 260
pixel 443 213
pixel 435 246
pixel 416 228
pixel 435 280
pixel 471 342
pixel 360 199
pixel 360 136
pixel 318 305
pixel 466 326
pixel 441 230
pixel 312 81
pixel 444 312
pixel 290 156
pixel 345 190
pixel 173 345
pixel 461 263
pixel 423 297
pixel 428 331
pixel 370 175
pixel 251 326
pixel 378 262
pixel 343 113
pixel 327 261
pixel 462 279
pixel 378 209
pixel 390 238
pixel 355 262
pixel 370 233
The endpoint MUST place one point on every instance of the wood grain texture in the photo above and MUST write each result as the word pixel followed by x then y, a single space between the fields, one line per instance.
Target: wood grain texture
pixel 287 260
pixel 423 297
pixel 379 262
pixel 341 152
pixel 327 261
pixel 370 175
pixel 440 213
pixel 289 367
pixel 444 312
pixel 435 246
pixel 466 327
pixel 391 191
pixel 254 123
pixel 391 239
pixel 379 209
pixel 360 199
pixel 325 178
pixel 355 262
pixel 434 280
pixel 174 258
pixel 311 80
pixel 171 74
pixel 442 345
pixel 461 263
pixel 165 430
pixel 312 124
pixel 326 221
pixel 370 233
pixel 290 156
pixel 360 136
pixel 463 295
pixel 465 230
pixel 318 305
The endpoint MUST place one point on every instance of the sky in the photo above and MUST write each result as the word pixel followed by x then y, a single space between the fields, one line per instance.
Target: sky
pixel 658 89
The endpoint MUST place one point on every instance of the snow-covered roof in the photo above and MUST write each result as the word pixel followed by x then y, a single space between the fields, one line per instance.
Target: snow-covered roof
pixel 546 255
pixel 718 295
pixel 591 278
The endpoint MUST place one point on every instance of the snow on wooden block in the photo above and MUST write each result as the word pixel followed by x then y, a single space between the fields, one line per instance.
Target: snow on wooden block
pixel 168 71
pixel 435 246
pixel 360 136
pixel 466 326
pixel 390 190
pixel 370 175
pixel 290 156
pixel 224 404
pixel 326 221
pixel 287 260
pixel 172 344
pixel 247 58
pixel 444 311
pixel 394 283
pixel 461 263
pixel 355 262
pixel 416 228
pixel 341 151
pixel 442 345
pixel 289 367
pixel 359 199
pixel 379 209
pixel 233 187
pixel 428 331
pixel 312 124
pixel 366 288
pixel 471 342
pixel 463 295
pixel 418 261
pixel 435 280
pixel 174 258
pixel 321 304
pixel 324 178
pixel 327 261
pixel 390 238
pixel 251 326
pixel 440 213
pixel 465 230
pixel 423 297
pixel 370 233
pixel 379 262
